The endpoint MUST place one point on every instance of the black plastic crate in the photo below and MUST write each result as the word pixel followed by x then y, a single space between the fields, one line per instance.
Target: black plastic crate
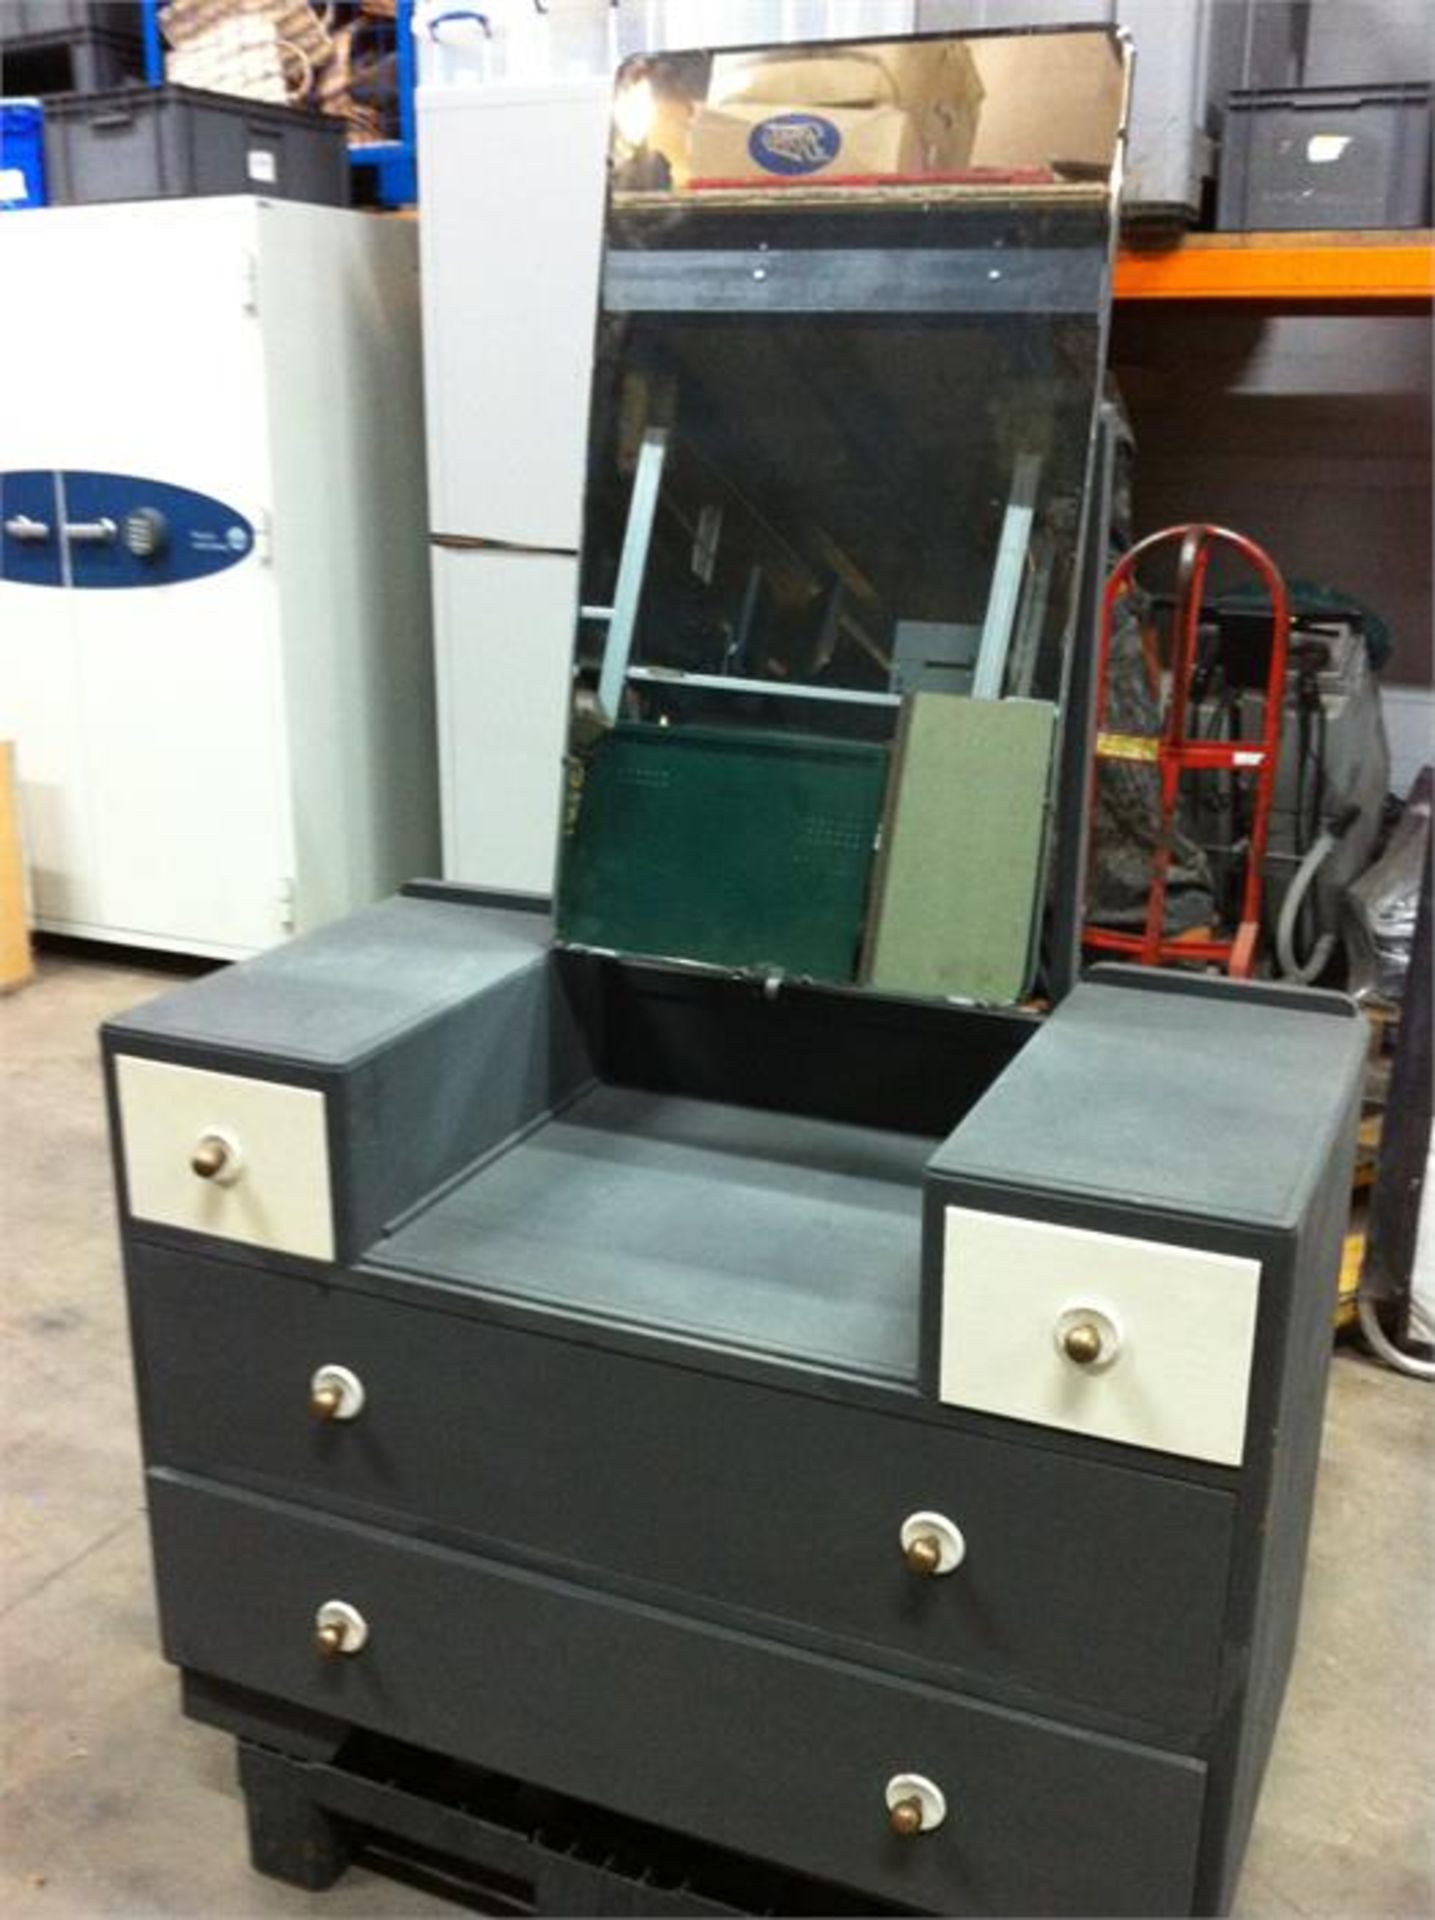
pixel 1310 157
pixel 148 143
pixel 84 61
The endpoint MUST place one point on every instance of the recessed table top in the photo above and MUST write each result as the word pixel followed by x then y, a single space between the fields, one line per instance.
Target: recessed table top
pixel 760 1231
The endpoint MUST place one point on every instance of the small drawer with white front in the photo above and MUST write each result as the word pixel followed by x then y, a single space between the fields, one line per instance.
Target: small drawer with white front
pixel 222 1154
pixel 1135 1341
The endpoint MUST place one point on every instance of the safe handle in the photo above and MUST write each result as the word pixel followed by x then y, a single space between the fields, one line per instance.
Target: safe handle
pixel 21 527
pixel 92 533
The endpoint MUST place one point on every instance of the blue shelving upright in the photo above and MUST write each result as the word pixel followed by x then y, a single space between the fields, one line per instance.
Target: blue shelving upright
pixel 393 163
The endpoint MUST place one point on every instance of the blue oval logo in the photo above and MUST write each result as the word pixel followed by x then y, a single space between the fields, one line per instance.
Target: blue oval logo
pixel 793 143
pixel 84 529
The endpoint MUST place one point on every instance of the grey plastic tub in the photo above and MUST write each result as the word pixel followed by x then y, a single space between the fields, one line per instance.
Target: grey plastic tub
pixel 148 143
pixel 1326 157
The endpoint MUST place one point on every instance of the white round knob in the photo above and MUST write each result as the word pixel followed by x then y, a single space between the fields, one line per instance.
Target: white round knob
pixel 915 1804
pixel 932 1544
pixel 335 1393
pixel 1087 1336
pixel 339 1629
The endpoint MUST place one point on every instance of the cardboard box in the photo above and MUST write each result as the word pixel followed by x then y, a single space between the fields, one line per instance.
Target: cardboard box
pixel 1052 100
pixel 889 107
pixel 851 77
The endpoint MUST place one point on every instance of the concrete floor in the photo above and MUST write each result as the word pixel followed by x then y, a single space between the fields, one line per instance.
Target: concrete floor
pixel 114 1805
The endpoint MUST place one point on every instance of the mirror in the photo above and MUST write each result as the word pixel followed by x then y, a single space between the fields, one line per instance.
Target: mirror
pixel 849 352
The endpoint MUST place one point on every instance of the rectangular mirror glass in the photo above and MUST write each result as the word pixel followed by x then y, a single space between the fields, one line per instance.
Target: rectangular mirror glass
pixel 849 352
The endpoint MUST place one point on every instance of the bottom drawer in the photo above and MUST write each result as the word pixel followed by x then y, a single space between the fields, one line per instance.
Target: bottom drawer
pixel 775 1753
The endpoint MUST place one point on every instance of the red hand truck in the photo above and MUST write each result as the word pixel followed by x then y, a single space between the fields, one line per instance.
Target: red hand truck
pixel 1174 753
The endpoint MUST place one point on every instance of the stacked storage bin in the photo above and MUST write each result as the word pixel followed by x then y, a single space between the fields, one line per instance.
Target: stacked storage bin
pixel 22 154
pixel 71 46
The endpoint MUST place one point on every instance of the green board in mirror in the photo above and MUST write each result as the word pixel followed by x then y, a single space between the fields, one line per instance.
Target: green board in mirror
pixel 849 352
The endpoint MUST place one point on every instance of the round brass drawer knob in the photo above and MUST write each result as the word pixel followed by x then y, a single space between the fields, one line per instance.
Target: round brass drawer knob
pixel 216 1157
pixel 906 1817
pixel 1082 1343
pixel 915 1805
pixel 336 1393
pixel 209 1159
pixel 1088 1336
pixel 339 1629
pixel 924 1553
pixel 932 1545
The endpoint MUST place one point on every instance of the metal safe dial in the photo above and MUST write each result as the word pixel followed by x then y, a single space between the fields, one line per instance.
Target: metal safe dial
pixel 145 533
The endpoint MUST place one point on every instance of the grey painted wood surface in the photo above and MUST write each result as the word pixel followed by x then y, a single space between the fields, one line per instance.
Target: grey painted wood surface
pixel 1088 1588
pixel 713 1732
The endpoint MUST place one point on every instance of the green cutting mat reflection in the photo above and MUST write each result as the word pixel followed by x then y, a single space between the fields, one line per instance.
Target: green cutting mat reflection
pixel 735 847
pixel 959 906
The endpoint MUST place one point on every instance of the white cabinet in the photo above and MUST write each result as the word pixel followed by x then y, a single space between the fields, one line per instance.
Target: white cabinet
pixel 216 747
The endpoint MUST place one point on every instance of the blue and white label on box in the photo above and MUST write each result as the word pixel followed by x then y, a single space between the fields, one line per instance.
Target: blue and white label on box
pixel 794 143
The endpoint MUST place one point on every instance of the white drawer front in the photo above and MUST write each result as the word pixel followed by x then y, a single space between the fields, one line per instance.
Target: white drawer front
pixel 1173 1328
pixel 275 1189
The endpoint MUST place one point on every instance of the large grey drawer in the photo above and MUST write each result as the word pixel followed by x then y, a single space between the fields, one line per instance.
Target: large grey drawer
pixel 712 1733
pixel 1082 1582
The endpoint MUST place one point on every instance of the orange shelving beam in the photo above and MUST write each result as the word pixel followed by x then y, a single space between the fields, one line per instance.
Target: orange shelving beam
pixel 1282 268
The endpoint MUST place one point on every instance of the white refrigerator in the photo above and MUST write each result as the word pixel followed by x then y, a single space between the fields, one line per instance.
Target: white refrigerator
pixel 513 140
pixel 512 181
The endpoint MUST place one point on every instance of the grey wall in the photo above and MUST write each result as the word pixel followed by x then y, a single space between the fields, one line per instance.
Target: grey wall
pixel 1311 434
